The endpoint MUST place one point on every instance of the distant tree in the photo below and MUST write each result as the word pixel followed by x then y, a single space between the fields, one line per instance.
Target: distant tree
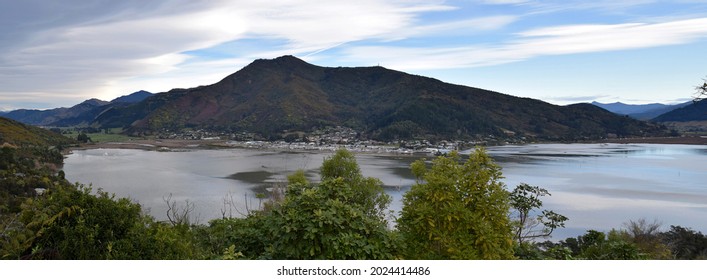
pixel 701 91
pixel 7 157
pixel 83 138
pixel 289 138
pixel 457 210
pixel 524 200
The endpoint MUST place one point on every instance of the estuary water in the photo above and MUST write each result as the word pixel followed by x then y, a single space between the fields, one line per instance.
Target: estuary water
pixel 597 186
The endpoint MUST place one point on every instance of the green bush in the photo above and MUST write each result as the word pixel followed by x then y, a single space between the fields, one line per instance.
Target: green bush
pixel 457 211
pixel 69 222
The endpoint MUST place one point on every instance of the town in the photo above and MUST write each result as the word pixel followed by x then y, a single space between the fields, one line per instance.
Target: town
pixel 329 139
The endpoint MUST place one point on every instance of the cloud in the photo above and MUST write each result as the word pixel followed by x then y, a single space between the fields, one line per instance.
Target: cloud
pixel 558 40
pixel 603 6
pixel 595 38
pixel 81 57
pixel 503 2
pixel 76 49
pixel 576 99
pixel 465 27
pixel 86 48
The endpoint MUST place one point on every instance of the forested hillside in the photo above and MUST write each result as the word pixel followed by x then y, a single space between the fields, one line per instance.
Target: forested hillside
pixel 273 97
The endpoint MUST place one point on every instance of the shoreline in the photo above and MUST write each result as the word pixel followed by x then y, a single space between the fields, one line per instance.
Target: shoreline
pixel 678 140
pixel 172 145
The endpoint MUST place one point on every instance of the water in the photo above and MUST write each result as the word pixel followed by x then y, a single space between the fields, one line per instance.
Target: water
pixel 207 177
pixel 598 186
pixel 602 186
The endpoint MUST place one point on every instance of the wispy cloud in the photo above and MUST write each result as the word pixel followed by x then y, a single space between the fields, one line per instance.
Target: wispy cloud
pixel 503 2
pixel 81 49
pixel 466 27
pixel 576 99
pixel 559 40
pixel 603 6
pixel 99 45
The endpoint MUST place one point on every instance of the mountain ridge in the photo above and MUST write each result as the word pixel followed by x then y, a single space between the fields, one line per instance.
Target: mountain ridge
pixel 82 113
pixel 640 111
pixel 696 111
pixel 273 97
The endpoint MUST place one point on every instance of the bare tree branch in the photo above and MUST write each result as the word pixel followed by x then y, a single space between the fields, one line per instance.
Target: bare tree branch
pixel 177 215
pixel 701 93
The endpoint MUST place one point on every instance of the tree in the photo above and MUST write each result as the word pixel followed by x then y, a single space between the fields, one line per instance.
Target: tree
pixel 701 91
pixel 343 217
pixel 647 238
pixel 457 211
pixel 83 138
pixel 324 221
pixel 524 200
pixel 616 245
pixel 69 222
pixel 368 191
pixel 685 243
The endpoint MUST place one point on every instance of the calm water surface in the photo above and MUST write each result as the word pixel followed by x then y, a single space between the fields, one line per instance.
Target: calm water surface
pixel 598 186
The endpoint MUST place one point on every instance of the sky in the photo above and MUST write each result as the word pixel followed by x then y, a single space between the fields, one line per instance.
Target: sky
pixel 59 53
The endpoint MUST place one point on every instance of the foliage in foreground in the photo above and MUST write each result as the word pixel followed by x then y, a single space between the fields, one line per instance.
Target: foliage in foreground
pixel 43 216
pixel 70 222
pixel 457 211
pixel 525 199
pixel 637 240
pixel 343 217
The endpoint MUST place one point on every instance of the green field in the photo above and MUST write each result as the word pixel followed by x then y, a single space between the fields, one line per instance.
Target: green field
pixel 112 135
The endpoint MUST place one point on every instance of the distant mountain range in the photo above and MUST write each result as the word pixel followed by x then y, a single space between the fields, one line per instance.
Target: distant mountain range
pixel 80 114
pixel 640 112
pixel 284 95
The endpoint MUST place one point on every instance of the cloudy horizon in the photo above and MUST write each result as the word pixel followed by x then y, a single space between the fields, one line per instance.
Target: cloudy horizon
pixel 59 53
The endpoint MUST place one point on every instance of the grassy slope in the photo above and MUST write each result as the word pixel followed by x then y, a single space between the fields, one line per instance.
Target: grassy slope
pixel 16 133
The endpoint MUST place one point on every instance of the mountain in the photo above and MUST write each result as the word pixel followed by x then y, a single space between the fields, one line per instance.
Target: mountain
pixel 651 114
pixel 47 117
pixel 696 111
pixel 19 134
pixel 87 117
pixel 640 112
pixel 80 114
pixel 627 109
pixel 286 94
pixel 133 97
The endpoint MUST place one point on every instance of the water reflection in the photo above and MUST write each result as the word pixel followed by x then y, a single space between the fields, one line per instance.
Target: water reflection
pixel 598 186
